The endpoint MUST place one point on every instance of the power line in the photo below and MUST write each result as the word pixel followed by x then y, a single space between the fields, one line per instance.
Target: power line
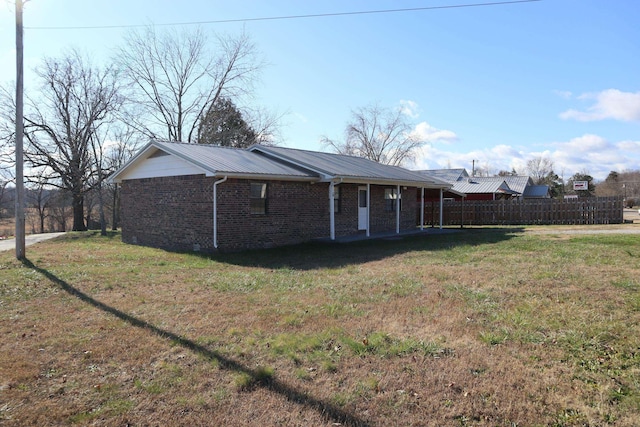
pixel 275 18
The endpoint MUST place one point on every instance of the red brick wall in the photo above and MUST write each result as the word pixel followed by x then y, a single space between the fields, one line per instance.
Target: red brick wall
pixel 169 212
pixel 177 213
pixel 384 221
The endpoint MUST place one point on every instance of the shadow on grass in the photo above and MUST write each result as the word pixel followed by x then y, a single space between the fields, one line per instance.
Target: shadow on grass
pixel 327 410
pixel 310 256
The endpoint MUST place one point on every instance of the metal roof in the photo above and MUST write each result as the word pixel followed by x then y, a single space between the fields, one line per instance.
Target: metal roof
pixel 536 192
pixel 349 167
pixel 282 163
pixel 226 160
pixel 518 182
pixel 447 175
pixel 476 185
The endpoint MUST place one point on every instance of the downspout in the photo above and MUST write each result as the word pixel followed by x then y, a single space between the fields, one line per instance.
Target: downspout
pixel 441 207
pixel 215 211
pixel 422 209
pixel 397 209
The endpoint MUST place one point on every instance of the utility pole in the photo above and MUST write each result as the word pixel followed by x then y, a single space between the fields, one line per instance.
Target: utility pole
pixel 20 244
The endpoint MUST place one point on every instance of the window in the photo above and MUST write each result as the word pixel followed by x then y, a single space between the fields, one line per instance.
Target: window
pixel 336 199
pixel 258 198
pixel 390 198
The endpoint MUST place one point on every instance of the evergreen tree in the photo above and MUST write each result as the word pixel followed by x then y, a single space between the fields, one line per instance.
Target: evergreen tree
pixel 224 125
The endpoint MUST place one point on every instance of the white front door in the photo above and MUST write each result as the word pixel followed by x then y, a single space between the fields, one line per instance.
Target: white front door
pixel 362 208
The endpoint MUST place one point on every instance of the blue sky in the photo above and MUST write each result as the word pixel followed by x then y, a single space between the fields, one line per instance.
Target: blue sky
pixel 496 84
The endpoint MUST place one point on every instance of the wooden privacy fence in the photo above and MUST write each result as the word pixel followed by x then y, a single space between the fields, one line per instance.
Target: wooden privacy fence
pixel 591 210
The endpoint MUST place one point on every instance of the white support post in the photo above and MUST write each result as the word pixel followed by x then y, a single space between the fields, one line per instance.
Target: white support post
pixel 368 210
pixel 332 218
pixel 422 209
pixel 441 207
pixel 397 209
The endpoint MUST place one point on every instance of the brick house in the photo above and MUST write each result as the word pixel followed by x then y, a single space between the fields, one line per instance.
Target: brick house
pixel 205 198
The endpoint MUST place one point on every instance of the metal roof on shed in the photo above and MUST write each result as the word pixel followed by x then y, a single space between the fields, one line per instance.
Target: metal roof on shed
pixel 536 192
pixel 518 182
pixel 482 185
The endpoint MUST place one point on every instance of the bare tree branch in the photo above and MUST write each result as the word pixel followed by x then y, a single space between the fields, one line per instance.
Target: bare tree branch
pixel 174 78
pixel 75 101
pixel 378 134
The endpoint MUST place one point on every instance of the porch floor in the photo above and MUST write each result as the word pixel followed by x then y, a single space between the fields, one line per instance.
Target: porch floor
pixel 391 235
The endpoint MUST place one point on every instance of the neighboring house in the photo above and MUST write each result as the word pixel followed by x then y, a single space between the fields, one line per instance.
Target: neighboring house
pixel 488 188
pixel 203 197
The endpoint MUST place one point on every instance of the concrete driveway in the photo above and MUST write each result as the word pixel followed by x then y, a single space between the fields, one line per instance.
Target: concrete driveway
pixel 10 244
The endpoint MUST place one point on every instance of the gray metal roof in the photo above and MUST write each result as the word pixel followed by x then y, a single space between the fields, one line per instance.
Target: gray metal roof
pixel 447 175
pixel 536 192
pixel 518 182
pixel 282 163
pixel 476 185
pixel 225 160
pixel 349 167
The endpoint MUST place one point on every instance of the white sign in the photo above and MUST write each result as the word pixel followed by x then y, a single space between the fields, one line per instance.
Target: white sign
pixel 581 185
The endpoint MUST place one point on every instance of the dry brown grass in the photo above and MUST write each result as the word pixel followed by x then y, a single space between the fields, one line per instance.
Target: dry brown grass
pixel 483 328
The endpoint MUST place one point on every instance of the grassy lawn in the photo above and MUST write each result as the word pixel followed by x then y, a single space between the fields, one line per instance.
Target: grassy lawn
pixel 486 327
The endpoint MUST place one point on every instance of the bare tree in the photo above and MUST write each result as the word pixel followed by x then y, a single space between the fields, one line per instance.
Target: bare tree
pixel 7 133
pixel 75 100
pixel 266 124
pixel 38 197
pixel 174 78
pixel 3 197
pixel 378 134
pixel 126 144
pixel 539 168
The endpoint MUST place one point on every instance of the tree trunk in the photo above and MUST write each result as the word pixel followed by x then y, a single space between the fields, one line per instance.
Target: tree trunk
pixel 78 213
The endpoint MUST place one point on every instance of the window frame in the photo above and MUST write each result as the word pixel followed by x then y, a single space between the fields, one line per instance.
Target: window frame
pixel 258 205
pixel 390 199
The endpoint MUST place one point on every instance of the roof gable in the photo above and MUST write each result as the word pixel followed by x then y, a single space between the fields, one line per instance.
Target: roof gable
pixel 203 158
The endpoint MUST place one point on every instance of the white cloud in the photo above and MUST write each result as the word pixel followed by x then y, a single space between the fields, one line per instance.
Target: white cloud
pixel 589 153
pixel 586 143
pixel 563 94
pixel 633 146
pixel 409 108
pixel 609 104
pixel 425 132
